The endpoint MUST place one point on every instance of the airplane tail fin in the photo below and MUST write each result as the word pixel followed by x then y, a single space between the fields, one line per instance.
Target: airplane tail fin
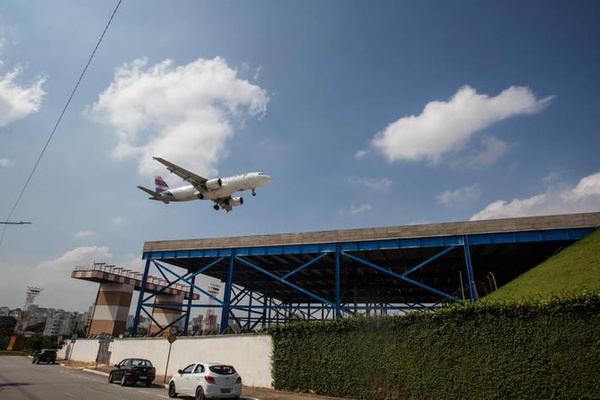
pixel 161 185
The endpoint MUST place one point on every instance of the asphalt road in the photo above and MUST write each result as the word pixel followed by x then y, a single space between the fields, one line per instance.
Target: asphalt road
pixel 22 380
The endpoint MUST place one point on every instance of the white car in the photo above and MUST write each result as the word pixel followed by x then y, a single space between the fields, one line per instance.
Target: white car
pixel 206 381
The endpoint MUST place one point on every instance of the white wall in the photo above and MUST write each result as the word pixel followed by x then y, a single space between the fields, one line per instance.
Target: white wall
pixel 85 350
pixel 250 354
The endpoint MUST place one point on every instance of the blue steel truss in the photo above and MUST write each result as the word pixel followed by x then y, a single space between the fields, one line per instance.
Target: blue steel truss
pixel 252 309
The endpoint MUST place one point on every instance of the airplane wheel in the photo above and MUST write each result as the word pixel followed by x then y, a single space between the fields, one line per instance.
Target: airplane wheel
pixel 253 193
pixel 216 207
pixel 201 196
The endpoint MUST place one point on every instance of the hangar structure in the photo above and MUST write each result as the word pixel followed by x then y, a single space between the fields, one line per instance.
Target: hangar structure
pixel 274 279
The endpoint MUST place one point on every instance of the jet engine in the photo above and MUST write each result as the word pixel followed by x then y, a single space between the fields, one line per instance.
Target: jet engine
pixel 213 184
pixel 236 201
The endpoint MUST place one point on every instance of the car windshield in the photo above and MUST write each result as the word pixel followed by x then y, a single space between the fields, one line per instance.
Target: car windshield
pixel 141 363
pixel 222 369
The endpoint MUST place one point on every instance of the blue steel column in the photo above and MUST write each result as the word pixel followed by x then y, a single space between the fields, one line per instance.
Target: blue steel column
pixel 470 275
pixel 136 320
pixel 189 306
pixel 338 257
pixel 227 294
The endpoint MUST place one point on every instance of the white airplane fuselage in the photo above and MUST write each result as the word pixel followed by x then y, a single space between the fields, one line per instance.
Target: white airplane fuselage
pixel 238 183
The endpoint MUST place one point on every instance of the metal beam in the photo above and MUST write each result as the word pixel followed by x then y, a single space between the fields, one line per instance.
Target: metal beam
pixel 278 279
pixel 136 320
pixel 400 276
pixel 227 294
pixel 470 274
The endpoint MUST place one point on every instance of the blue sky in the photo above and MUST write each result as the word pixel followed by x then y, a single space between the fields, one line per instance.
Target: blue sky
pixel 365 114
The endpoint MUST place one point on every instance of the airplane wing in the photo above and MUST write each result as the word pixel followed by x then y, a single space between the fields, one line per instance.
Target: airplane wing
pixel 196 180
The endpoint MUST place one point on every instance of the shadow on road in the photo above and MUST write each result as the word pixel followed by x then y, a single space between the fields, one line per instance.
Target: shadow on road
pixel 11 384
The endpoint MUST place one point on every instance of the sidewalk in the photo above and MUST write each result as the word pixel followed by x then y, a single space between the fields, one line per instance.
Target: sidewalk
pixel 247 392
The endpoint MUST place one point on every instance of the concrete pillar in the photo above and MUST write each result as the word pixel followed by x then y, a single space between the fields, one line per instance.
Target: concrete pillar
pixel 111 309
pixel 166 316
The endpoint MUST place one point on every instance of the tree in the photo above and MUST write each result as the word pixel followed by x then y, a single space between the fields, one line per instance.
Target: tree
pixel 7 324
pixel 37 328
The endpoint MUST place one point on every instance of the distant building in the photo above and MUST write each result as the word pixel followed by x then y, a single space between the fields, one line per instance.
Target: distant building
pixel 57 322
pixel 37 314
pixel 195 326
pixel 62 323
pixel 144 322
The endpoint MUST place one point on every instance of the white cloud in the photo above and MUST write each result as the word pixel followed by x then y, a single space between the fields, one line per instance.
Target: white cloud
pixel 78 256
pixel 359 209
pixel 83 234
pixel 117 221
pixel 562 199
pixel 445 127
pixel 18 101
pixel 5 162
pixel 460 196
pixel 382 184
pixel 182 113
pixel 492 149
pixel 361 154
pixel 60 290
pixel 257 73
pixel 133 262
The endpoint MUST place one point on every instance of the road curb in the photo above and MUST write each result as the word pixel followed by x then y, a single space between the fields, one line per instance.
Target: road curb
pixel 93 371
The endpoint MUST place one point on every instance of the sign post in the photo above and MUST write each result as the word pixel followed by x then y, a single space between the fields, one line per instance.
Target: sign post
pixel 170 338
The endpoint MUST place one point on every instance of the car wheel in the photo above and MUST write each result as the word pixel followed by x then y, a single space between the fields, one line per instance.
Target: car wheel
pixel 53 362
pixel 123 381
pixel 111 378
pixel 200 393
pixel 37 361
pixel 172 391
pixel 33 361
pixel 148 383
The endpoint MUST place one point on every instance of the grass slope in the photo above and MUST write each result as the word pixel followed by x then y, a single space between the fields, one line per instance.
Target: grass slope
pixel 573 270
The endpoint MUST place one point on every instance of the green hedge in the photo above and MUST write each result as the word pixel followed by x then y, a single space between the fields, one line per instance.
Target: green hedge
pixel 539 349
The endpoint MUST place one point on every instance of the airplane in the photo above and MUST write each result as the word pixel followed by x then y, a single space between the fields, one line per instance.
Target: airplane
pixel 218 190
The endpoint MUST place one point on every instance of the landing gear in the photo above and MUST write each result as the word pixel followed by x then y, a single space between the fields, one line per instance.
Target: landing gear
pixel 253 192
pixel 200 196
pixel 216 207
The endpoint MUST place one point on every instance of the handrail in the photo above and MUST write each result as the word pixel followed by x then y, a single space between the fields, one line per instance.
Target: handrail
pixel 120 271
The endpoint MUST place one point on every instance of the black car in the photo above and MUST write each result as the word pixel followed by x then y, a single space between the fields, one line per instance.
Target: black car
pixel 132 371
pixel 44 355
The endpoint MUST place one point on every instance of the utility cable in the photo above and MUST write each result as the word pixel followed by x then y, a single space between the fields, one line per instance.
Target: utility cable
pixel 58 121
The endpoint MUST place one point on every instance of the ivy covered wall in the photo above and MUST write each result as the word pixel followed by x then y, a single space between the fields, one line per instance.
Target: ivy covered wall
pixel 537 349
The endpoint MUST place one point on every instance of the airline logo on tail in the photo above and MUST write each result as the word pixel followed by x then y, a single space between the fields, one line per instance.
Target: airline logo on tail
pixel 161 185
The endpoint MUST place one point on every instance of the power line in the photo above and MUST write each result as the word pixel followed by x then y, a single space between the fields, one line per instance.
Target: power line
pixel 59 119
pixel 14 223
